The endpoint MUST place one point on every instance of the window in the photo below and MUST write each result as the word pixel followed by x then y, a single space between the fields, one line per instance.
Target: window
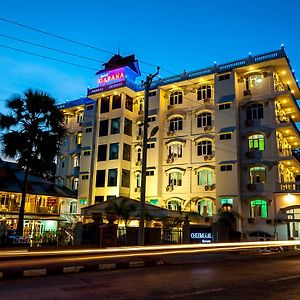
pixel 103 130
pixel 204 120
pixel 175 98
pixel 258 174
pixel 258 208
pixel 73 207
pixel 150 173
pixel 139 154
pixel 154 201
pixel 89 129
pixel 75 184
pixel 206 207
pixel 225 168
pixel 225 136
pixel 90 107
pixel 67 118
pixel 129 103
pixel 104 104
pixel 176 124
pixel 110 197
pixel 224 106
pixel 140 129
pixel 175 150
pixel 115 126
pixel 126 152
pixel 85 177
pixel 138 180
pixel 76 161
pixel 152 93
pixel 256 142
pixel 87 153
pixel 112 177
pixel 116 101
pixel 175 178
pixel 125 178
pixel 78 139
pixel 226 201
pixel 150 145
pixel 99 199
pixel 204 92
pixel 152 119
pixel 83 201
pixel 114 151
pixel 174 205
pixel 127 127
pixel 254 81
pixel 205 177
pixel 100 178
pixel 79 117
pixel 224 77
pixel 254 111
pixel 204 148
pixel 102 150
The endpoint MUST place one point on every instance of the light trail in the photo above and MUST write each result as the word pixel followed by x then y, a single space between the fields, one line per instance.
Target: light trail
pixel 152 250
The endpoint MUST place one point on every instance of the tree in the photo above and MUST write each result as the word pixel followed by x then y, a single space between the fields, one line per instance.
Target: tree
pixel 31 133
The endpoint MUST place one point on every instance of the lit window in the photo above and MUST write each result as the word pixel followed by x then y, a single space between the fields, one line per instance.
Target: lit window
pixel 175 150
pixel 176 98
pixel 258 208
pixel 75 184
pixel 204 148
pixel 258 174
pixel 175 179
pixel 76 161
pixel 138 180
pixel 204 92
pixel 176 124
pixel 256 142
pixel 73 207
pixel 205 177
pixel 204 119
pixel 254 81
pixel 78 139
pixel 174 205
pixel 79 117
pixel 115 126
pixel 206 207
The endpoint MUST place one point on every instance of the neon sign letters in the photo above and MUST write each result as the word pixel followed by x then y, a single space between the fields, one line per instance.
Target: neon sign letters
pixel 112 77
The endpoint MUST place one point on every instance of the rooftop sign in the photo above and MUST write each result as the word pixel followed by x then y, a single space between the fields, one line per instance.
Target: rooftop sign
pixel 112 77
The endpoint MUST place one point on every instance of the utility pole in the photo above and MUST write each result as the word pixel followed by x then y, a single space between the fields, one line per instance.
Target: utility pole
pixel 147 85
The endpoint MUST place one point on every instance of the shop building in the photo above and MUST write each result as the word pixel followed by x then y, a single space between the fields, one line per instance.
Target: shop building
pixel 227 138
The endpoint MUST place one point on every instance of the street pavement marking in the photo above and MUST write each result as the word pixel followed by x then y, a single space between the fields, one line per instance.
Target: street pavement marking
pixel 285 278
pixel 72 269
pixel 196 293
pixel 107 266
pixel 34 272
pixel 134 264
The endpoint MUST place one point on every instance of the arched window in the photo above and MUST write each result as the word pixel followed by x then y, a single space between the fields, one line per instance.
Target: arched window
pixel 138 180
pixel 204 119
pixel 75 184
pixel 139 154
pixel 175 150
pixel 73 207
pixel 255 111
pixel 205 177
pixel 204 148
pixel 176 124
pixel 174 205
pixel 256 142
pixel 204 92
pixel 258 174
pixel 175 178
pixel 258 208
pixel 176 98
pixel 206 207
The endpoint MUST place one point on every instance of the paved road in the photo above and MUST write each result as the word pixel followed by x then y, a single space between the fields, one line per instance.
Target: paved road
pixel 215 276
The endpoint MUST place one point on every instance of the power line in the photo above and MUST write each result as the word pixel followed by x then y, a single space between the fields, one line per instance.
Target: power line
pixel 48 57
pixel 49 48
pixel 55 35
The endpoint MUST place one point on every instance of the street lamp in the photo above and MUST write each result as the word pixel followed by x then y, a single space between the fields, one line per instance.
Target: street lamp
pixel 147 85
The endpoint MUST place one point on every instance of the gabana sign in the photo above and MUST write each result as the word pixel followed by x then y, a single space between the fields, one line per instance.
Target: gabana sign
pixel 111 77
pixel 200 234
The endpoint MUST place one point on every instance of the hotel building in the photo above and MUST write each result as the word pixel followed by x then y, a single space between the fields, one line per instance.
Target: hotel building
pixel 226 138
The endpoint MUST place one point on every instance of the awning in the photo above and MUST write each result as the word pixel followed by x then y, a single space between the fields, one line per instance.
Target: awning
pixel 227 129
pixel 226 99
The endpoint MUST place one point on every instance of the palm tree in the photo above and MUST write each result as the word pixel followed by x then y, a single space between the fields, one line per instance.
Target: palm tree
pixel 31 133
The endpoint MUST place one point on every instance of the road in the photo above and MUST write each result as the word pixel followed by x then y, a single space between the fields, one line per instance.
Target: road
pixel 201 276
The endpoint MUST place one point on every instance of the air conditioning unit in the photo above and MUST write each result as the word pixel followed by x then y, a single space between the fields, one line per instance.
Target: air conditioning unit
pixel 138 163
pixel 137 189
pixel 251 220
pixel 206 100
pixel 206 157
pixel 249 123
pixel 269 221
pixel 139 137
pixel 212 187
pixel 170 133
pixel 251 186
pixel 250 154
pixel 206 219
pixel 170 159
pixel 206 187
pixel 170 106
pixel 247 93
pixel 140 112
pixel 169 188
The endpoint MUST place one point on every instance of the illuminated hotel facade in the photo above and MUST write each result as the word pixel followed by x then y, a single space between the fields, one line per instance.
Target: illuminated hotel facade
pixel 227 138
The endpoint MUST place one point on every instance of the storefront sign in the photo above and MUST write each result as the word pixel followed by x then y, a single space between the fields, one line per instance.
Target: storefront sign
pixel 200 234
pixel 111 77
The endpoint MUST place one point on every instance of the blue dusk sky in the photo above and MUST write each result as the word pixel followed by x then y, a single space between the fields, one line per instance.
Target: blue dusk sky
pixel 176 35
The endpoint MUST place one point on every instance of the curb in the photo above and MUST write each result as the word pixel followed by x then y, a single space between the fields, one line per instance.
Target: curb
pixel 58 270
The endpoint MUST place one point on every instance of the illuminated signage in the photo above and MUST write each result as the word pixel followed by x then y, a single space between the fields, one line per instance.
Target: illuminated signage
pixel 200 234
pixel 112 77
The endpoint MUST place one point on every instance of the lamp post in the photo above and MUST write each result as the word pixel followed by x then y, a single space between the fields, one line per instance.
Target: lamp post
pixel 147 85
